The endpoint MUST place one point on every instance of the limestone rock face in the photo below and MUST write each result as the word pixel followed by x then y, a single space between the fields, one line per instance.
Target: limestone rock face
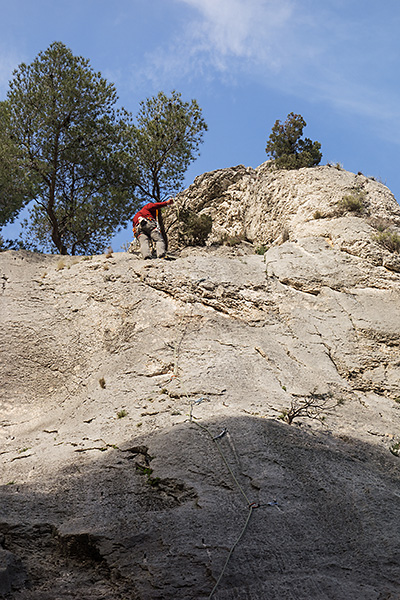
pixel 142 404
pixel 267 207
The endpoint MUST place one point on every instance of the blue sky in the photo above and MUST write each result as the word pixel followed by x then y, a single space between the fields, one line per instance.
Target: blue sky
pixel 247 63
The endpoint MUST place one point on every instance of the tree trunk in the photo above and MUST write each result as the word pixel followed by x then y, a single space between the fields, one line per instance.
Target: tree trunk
pixel 55 232
pixel 55 236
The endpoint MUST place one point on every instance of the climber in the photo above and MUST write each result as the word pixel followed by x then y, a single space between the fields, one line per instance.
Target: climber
pixel 146 228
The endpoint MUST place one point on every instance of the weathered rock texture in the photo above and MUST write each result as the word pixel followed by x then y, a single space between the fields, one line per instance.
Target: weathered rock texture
pixel 117 373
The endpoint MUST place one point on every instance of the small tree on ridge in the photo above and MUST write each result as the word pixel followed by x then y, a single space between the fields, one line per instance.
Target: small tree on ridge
pixel 286 147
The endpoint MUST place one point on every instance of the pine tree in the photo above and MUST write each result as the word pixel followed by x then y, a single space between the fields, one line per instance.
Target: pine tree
pixel 286 147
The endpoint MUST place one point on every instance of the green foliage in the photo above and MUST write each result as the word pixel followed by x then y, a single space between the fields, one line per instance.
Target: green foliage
pixel 6 244
pixel 166 140
pixel 352 202
pixel 262 249
pixel 389 240
pixel 15 188
pixel 144 470
pixel 74 145
pixel 395 449
pixel 386 236
pixel 121 414
pixel 148 471
pixel 286 147
pixel 194 229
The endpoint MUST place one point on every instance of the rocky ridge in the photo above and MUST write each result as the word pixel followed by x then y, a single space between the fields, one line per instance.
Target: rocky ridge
pixel 142 404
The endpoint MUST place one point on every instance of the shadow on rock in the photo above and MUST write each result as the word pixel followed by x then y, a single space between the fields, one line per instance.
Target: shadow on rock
pixel 157 518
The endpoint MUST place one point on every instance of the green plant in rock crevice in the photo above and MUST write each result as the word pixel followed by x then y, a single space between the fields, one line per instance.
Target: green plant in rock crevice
pixel 193 229
pixel 395 449
pixel 353 202
pixel 148 471
pixel 388 239
pixel 262 249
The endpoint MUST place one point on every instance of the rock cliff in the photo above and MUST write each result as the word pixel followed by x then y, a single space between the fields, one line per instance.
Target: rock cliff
pixel 145 405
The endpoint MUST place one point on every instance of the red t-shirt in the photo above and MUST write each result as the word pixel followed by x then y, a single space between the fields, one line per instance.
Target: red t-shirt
pixel 149 211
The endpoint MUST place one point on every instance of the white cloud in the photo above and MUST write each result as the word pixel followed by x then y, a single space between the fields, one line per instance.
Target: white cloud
pixel 312 50
pixel 219 34
pixel 238 28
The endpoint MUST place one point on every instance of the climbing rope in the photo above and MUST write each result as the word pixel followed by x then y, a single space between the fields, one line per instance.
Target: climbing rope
pixel 192 419
pixel 251 508
pixel 251 505
pixel 215 440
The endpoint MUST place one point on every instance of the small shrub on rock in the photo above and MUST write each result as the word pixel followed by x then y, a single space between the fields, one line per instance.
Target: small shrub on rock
pixel 261 249
pixel 314 406
pixel 388 239
pixel 194 229
pixel 352 203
